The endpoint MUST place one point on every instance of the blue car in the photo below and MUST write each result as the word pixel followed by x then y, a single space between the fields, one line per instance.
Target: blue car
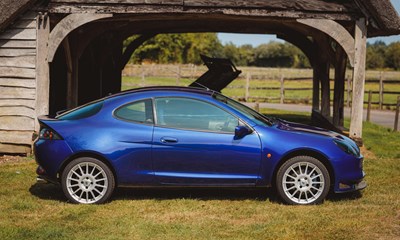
pixel 180 136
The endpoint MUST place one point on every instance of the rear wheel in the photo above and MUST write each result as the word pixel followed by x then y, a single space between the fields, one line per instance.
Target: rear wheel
pixel 303 180
pixel 87 180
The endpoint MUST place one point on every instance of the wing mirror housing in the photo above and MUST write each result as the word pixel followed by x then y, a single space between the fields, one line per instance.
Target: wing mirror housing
pixel 241 131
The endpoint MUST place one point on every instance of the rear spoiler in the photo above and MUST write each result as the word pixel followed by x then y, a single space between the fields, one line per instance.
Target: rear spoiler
pixel 221 72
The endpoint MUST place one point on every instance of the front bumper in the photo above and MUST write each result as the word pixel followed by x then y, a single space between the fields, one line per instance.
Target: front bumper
pixel 351 186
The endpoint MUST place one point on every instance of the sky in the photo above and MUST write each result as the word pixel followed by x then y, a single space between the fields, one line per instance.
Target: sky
pixel 257 39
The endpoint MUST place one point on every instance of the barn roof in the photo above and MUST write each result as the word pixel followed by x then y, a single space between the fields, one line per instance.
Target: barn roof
pixel 383 18
pixel 11 9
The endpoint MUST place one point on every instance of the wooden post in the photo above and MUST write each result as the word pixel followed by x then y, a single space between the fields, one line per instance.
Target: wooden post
pixel 315 100
pixel 338 97
pixel 42 68
pixel 178 79
pixel 369 106
pixel 247 94
pixel 381 91
pixel 360 40
pixel 282 100
pixel 348 91
pixel 257 107
pixel 396 119
pixel 325 90
pixel 143 83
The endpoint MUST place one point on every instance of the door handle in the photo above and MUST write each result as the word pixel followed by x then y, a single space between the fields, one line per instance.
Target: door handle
pixel 168 140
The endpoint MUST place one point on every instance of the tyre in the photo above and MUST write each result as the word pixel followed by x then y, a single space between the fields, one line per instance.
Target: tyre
pixel 303 180
pixel 87 180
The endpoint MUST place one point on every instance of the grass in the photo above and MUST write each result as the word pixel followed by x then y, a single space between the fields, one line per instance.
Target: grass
pixel 32 211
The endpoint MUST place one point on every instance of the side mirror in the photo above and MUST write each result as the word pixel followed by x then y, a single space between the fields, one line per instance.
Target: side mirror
pixel 241 131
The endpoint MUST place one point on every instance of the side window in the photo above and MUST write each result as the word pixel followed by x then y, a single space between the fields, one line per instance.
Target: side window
pixel 141 111
pixel 193 114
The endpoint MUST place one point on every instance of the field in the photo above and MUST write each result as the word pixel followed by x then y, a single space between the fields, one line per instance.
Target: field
pixel 263 77
pixel 33 211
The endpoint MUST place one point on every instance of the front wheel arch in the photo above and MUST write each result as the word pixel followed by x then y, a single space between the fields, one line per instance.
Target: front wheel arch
pixel 305 152
pixel 90 155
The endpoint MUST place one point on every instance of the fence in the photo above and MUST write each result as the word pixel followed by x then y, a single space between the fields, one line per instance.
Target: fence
pixel 268 84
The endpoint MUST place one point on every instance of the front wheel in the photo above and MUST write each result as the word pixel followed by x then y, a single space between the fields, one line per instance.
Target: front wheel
pixel 303 180
pixel 87 180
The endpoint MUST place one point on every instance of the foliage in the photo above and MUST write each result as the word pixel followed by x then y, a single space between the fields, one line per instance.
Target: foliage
pixel 186 48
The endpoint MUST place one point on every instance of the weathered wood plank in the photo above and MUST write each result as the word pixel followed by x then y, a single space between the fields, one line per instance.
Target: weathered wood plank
pixel 168 9
pixel 19 62
pixel 162 2
pixel 18 111
pixel 18 82
pixel 16 123
pixel 16 137
pixel 42 69
pixel 24 24
pixel 17 72
pixel 19 34
pixel 16 92
pixel 14 148
pixel 18 102
pixel 18 44
pixel 360 37
pixel 29 15
pixel 14 52
pixel 300 5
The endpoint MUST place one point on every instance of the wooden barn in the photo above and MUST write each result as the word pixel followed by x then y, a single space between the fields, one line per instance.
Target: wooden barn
pixel 57 54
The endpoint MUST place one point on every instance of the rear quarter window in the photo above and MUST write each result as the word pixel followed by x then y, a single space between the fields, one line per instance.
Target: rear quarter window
pixel 83 112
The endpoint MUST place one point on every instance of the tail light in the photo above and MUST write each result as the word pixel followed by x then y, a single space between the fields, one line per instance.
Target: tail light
pixel 48 134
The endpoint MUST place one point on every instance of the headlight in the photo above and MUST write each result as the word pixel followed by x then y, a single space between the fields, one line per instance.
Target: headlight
pixel 347 148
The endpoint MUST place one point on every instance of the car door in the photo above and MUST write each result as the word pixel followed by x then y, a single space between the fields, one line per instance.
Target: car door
pixel 194 144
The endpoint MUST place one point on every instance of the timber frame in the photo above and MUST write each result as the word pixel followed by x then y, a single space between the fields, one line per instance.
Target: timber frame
pixel 79 55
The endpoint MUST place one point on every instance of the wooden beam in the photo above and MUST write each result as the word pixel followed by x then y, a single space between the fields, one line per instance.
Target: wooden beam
pixel 42 68
pixel 323 75
pixel 360 36
pixel 316 89
pixel 178 11
pixel 66 26
pixel 336 31
pixel 338 98
pixel 126 56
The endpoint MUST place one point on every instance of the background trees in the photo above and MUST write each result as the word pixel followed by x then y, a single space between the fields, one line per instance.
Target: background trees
pixel 186 48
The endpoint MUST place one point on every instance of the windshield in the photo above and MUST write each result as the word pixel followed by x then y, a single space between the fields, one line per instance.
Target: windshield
pixel 256 117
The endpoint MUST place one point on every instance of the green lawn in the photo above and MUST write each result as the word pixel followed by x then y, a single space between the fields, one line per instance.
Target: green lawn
pixel 32 211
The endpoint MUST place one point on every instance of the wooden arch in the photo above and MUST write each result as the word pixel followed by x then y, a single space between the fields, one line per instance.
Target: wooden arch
pixel 66 26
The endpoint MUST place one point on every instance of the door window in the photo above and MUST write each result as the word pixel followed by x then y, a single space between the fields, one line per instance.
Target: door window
pixel 193 114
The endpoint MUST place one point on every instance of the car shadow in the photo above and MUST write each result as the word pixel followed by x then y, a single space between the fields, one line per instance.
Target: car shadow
pixel 55 193
pixel 338 197
pixel 168 193
pixel 48 192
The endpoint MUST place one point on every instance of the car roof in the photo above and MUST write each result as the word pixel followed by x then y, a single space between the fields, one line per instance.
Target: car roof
pixel 164 88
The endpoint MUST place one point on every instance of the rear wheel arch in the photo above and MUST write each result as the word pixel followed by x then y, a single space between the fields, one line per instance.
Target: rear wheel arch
pixel 305 152
pixel 90 155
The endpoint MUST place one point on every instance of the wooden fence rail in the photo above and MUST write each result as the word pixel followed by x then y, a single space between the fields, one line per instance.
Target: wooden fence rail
pixel 281 93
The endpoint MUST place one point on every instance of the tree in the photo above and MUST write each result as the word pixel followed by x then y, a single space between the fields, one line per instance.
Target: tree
pixel 376 55
pixel 393 56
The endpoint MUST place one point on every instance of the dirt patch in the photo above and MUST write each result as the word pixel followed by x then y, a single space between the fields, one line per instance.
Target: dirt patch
pixel 10 158
pixel 367 153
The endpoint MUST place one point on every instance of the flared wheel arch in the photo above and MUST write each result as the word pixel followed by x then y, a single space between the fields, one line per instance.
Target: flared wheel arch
pixel 304 152
pixel 90 155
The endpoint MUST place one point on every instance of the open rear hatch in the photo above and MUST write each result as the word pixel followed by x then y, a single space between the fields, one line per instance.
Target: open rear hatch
pixel 221 72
